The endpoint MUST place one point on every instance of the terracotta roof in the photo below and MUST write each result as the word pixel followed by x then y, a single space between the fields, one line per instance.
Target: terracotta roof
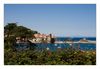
pixel 40 35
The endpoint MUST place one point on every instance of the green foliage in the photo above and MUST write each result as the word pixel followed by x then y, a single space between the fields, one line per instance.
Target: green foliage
pixel 13 30
pixel 9 43
pixel 64 57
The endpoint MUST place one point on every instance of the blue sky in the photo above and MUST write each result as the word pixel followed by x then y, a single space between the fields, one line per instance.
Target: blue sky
pixel 59 19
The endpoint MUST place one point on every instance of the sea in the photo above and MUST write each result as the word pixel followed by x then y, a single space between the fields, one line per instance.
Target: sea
pixel 56 46
pixel 81 46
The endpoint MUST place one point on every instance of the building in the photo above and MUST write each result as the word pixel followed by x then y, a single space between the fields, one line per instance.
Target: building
pixel 39 38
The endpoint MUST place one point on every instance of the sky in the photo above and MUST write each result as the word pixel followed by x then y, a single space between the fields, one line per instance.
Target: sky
pixel 68 20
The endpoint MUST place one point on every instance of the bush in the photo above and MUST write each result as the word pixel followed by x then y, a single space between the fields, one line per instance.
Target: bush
pixel 64 57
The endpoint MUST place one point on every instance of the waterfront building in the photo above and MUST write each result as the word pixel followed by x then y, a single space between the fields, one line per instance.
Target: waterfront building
pixel 39 38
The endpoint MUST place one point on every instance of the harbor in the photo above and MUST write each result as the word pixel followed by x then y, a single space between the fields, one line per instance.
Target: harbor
pixel 42 43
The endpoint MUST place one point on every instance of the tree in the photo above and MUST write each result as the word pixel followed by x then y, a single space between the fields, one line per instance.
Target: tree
pixel 13 29
pixel 8 29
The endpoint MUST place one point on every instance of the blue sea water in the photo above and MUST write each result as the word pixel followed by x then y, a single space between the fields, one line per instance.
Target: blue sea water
pixel 75 38
pixel 53 47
